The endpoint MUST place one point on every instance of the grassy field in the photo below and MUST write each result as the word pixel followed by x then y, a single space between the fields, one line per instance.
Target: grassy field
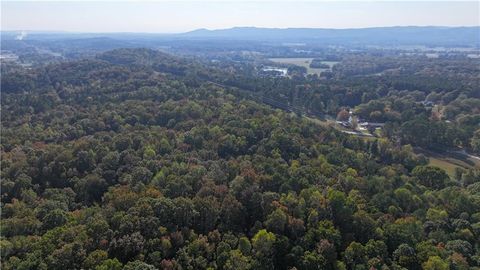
pixel 448 166
pixel 303 62
pixel 448 161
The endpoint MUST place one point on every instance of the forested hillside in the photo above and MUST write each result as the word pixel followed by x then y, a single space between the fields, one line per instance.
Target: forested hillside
pixel 135 160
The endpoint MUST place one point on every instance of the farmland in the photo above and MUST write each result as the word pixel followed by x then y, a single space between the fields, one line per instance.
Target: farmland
pixel 303 62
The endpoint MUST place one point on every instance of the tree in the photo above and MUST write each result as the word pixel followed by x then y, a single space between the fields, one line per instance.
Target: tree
pixel 460 246
pixel 342 208
pixel 276 221
pixel 95 258
pixel 128 246
pixel 149 153
pixel 435 263
pixel 54 218
pixel 405 256
pixel 244 246
pixel 343 115
pixel 355 254
pixel 237 260
pixel 208 210
pixel 138 265
pixel 232 213
pixel 363 226
pixel 69 256
pixel 403 231
pixel 431 177
pixel 475 141
pixel 406 199
pixel 313 261
pixel 184 212
pixel 263 243
pixel 110 264
pixel 141 175
pixel 376 248
pixel 91 188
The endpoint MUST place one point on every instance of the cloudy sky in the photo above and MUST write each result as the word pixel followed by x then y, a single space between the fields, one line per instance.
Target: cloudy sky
pixel 180 16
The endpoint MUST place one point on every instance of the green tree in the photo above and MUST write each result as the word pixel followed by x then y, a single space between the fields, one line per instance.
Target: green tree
pixel 237 261
pixel 435 263
pixel 431 177
pixel 405 256
pixel 95 258
pixel 110 264
pixel 276 221
pixel 355 254
pixel 263 245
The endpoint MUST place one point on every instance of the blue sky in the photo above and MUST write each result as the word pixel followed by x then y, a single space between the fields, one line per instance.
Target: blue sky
pixel 180 16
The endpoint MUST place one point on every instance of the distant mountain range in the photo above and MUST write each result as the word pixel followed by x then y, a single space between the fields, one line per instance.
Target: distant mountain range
pixel 405 35
pixel 384 36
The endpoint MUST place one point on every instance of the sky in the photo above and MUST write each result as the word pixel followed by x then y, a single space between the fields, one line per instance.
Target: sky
pixel 182 16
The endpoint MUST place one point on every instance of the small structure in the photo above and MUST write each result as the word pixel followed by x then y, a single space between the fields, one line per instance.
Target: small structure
pixel 428 104
pixel 274 72
pixel 368 125
pixel 344 123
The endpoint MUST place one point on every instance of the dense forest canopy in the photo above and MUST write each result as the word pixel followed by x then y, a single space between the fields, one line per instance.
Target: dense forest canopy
pixel 138 159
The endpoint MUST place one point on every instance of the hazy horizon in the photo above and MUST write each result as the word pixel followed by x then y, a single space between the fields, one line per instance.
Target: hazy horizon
pixel 167 17
pixel 219 29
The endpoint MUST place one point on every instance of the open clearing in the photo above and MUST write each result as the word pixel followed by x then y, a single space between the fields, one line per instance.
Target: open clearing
pixel 449 161
pixel 304 62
